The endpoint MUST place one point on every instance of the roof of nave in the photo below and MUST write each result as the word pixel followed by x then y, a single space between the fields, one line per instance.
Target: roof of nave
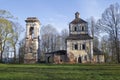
pixel 78 21
pixel 59 52
pixel 79 37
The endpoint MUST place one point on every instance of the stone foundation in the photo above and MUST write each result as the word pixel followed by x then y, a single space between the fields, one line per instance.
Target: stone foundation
pixel 30 58
pixel 30 61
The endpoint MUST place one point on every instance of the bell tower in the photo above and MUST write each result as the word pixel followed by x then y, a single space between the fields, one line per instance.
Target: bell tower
pixel 32 40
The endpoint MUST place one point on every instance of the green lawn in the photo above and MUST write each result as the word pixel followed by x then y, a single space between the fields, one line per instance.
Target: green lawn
pixel 60 72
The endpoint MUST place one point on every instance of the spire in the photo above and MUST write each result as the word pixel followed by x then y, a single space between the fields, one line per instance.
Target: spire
pixel 77 15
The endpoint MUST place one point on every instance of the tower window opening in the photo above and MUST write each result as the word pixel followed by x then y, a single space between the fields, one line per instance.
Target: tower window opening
pixel 32 32
pixel 30 49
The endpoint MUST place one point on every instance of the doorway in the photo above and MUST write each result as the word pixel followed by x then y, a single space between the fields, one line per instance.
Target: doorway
pixel 48 59
pixel 79 60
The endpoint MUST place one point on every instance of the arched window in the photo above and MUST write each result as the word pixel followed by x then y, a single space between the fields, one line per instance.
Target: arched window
pixel 76 47
pixel 30 49
pixel 83 46
pixel 83 28
pixel 79 60
pixel 75 29
pixel 31 32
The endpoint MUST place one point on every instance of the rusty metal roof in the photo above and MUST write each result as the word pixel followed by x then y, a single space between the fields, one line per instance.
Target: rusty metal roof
pixel 59 52
pixel 32 19
pixel 77 21
pixel 79 37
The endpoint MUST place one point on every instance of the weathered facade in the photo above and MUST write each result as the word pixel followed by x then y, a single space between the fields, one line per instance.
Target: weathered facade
pixel 32 40
pixel 79 43
pixel 79 46
pixel 56 57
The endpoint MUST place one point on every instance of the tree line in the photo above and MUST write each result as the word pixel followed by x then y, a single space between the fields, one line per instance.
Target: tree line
pixel 105 31
pixel 10 31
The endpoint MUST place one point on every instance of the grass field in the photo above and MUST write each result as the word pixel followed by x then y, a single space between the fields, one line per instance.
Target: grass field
pixel 60 72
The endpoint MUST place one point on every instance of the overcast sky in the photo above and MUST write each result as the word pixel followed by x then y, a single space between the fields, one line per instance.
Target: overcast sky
pixel 56 12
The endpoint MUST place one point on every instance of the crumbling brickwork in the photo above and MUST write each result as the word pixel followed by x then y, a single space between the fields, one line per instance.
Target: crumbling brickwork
pixel 31 43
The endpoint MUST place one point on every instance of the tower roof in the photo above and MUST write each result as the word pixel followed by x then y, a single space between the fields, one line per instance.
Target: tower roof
pixel 32 19
pixel 77 19
pixel 77 15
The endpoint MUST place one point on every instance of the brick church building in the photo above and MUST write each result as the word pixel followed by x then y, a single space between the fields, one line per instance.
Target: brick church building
pixel 79 43
pixel 79 46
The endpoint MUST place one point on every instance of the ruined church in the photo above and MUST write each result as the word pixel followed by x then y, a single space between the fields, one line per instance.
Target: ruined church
pixel 79 44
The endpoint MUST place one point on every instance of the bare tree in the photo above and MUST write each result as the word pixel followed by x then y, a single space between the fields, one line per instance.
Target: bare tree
pixel 9 32
pixel 21 50
pixel 94 32
pixel 6 15
pixel 14 39
pixel 49 38
pixel 93 29
pixel 109 23
pixel 96 42
pixel 92 26
pixel 105 47
pixel 64 34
